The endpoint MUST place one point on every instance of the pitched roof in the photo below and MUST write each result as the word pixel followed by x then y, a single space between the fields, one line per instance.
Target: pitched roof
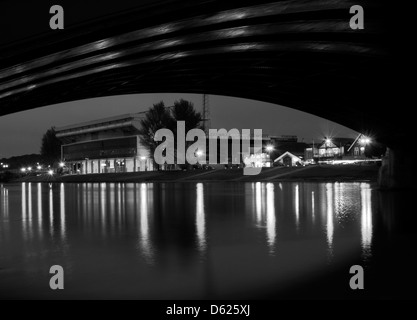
pixel 287 154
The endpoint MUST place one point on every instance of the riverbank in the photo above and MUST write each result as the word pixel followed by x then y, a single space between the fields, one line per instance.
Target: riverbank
pixel 310 173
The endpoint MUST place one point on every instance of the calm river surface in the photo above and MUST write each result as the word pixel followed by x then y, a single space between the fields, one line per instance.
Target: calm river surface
pixel 205 240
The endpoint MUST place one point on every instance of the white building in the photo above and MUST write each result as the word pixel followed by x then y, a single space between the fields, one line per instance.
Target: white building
pixel 103 146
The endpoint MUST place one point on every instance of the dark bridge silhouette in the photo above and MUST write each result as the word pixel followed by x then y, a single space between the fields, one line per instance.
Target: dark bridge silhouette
pixel 300 54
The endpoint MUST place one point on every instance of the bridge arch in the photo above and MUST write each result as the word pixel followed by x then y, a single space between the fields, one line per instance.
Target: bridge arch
pixel 296 53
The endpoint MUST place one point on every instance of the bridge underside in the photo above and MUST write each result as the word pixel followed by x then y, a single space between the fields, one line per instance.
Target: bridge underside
pixel 300 54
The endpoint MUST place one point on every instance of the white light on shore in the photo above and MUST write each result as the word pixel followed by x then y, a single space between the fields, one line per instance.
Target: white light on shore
pixel 51 172
pixel 269 148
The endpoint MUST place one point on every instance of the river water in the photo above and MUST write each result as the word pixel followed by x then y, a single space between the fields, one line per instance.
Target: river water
pixel 204 240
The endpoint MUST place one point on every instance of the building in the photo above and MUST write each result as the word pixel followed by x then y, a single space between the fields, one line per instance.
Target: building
pixel 112 145
pixel 337 148
pixel 260 159
pixel 104 146
pixel 288 159
pixel 286 143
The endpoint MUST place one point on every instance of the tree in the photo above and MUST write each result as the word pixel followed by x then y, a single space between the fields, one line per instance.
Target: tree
pixel 183 110
pixel 160 117
pixel 51 146
pixel 157 117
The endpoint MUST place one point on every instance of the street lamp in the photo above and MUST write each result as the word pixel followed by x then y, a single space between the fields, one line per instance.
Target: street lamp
pixel 62 164
pixel 51 172
pixel 198 153
pixel 269 148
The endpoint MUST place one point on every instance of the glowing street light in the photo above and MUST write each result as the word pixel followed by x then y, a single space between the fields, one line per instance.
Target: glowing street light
pixel 269 148
pixel 62 164
pixel 39 167
pixel 365 141
pixel 29 168
pixel 51 172
pixel 23 169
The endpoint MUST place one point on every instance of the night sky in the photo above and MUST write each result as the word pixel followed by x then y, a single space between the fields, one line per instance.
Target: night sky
pixel 21 133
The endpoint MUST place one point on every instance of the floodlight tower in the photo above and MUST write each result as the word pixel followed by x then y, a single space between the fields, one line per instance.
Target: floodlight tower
pixel 206 113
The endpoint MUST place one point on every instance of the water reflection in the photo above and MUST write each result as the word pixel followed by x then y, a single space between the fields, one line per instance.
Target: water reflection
pixel 329 217
pixel 4 200
pixel 51 211
pixel 167 226
pixel 24 218
pixel 265 212
pixel 366 220
pixel 39 209
pixel 145 242
pixel 62 210
pixel 297 204
pixel 200 220
pixel 270 217
pixel 312 205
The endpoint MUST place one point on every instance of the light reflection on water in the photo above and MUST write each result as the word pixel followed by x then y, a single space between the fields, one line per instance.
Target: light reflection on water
pixel 172 234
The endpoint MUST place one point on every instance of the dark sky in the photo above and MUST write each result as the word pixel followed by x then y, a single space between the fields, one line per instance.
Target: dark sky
pixel 21 133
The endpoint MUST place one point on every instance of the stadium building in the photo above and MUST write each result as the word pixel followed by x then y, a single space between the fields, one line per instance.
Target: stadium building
pixel 104 146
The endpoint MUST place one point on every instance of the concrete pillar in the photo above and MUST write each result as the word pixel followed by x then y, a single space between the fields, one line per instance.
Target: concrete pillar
pixel 397 170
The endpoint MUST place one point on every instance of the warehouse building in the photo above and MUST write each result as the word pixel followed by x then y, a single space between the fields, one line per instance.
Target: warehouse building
pixel 104 146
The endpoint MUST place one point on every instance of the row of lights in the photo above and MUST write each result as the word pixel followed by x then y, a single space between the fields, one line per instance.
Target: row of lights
pixel 4 165
pixel 362 141
pixel 365 141
pixel 38 167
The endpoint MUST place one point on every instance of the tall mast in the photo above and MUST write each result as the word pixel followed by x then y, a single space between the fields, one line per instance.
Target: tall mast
pixel 206 113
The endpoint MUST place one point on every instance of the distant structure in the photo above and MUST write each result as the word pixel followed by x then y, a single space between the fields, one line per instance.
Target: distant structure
pixel 338 148
pixel 288 159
